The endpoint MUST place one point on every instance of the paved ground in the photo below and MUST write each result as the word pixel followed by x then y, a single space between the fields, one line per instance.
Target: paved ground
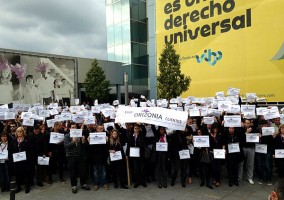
pixel 58 191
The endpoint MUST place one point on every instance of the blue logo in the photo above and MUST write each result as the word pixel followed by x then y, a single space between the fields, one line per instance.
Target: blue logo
pixel 211 57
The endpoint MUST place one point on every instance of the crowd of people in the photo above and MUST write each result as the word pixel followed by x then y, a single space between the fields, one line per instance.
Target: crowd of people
pixel 139 161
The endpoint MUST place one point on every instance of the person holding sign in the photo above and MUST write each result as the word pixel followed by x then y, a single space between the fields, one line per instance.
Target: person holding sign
pixel 249 151
pixel 230 139
pixel 161 148
pixel 279 145
pixel 73 148
pixel 136 152
pixel 264 159
pixel 178 142
pixel 215 143
pixel 205 161
pixel 38 148
pixel 56 152
pixel 117 167
pixel 22 164
pixel 98 157
pixel 4 162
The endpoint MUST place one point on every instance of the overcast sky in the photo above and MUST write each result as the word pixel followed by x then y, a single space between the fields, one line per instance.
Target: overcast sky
pixel 63 27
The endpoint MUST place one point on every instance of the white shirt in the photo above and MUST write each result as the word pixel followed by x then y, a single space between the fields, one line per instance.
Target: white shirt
pixel 3 147
pixel 45 86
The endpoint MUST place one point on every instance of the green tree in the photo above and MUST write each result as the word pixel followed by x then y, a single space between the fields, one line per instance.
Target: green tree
pixel 96 85
pixel 171 82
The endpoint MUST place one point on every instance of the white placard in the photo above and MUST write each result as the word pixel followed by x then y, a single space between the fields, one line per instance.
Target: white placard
pixel 28 122
pixel 194 112
pixel 26 115
pixel 77 118
pixel 53 105
pixel 42 160
pixel 89 120
pixel 261 148
pixel 53 112
pixel 233 91
pixel 75 133
pixel 259 111
pixel 252 137
pixel 66 116
pixel 134 152
pixel 232 121
pixel 161 146
pixel 115 156
pixel 98 138
pixel 4 155
pixel 279 153
pixel 233 148
pixel 175 120
pixel 56 138
pixel 96 109
pixel 251 96
pixel 21 156
pixel 43 113
pixel 50 123
pixel 208 120
pixel 9 115
pixel 266 131
pixel 249 115
pixel 106 125
pixel 214 112
pixel 271 114
pixel 201 141
pixel 235 109
pixel 58 118
pixel 224 106
pixel 203 111
pixel 219 153
pixel 247 108
pixel 220 94
pixel 184 154
pixel 74 109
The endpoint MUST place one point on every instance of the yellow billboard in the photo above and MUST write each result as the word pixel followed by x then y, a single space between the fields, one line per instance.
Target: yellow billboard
pixel 226 43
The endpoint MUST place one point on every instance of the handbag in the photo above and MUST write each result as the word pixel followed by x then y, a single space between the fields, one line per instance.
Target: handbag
pixel 206 157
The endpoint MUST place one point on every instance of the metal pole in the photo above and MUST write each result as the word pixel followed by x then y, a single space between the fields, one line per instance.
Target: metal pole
pixel 126 88
pixel 12 190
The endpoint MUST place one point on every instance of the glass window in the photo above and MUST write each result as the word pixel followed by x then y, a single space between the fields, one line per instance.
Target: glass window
pixel 117 34
pixel 125 26
pixel 134 9
pixel 139 75
pixel 126 57
pixel 118 53
pixel 109 15
pixel 142 11
pixel 138 32
pixel 135 53
pixel 110 54
pixel 117 12
pixel 125 10
pixel 108 1
pixel 110 36
pixel 143 59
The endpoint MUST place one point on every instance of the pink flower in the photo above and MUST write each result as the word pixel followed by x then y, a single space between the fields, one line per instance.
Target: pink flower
pixel 41 67
pixel 19 70
pixel 3 64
